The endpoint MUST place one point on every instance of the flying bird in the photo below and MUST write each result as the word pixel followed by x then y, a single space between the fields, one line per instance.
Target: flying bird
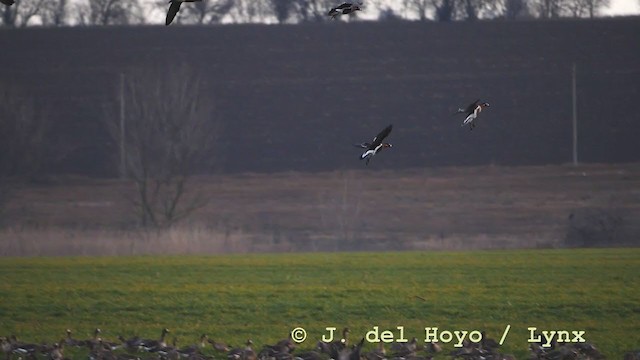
pixel 472 111
pixel 173 9
pixel 376 145
pixel 344 9
pixel 7 2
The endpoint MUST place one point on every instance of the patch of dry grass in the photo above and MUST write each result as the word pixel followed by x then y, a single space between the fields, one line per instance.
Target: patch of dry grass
pixel 431 208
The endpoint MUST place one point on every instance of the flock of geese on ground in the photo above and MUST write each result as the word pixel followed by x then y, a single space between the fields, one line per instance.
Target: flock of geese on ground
pixel 136 348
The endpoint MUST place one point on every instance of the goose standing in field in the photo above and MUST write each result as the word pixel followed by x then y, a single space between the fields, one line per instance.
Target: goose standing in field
pixel 57 353
pixel 341 343
pixel 218 346
pixel 194 348
pixel 153 345
pixel 245 353
pixel 433 347
pixel 91 343
pixel 344 9
pixel 281 348
pixel 353 353
pixel 70 341
pixel 488 344
pixel 100 352
pixel 376 145
pixel 111 346
pixel 379 353
pixel 405 349
pixel 5 347
pixel 132 344
pixel 333 348
pixel 8 2
pixel 286 345
pixel 174 8
pixel 471 111
pixel 169 350
pixel 23 349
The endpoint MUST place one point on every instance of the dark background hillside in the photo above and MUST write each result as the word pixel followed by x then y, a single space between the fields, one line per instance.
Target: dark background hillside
pixel 296 97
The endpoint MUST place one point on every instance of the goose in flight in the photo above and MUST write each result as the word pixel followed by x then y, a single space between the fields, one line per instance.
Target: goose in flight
pixel 173 9
pixel 472 111
pixel 376 145
pixel 344 9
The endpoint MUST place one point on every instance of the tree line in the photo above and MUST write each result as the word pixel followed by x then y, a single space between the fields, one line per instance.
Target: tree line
pixel 137 12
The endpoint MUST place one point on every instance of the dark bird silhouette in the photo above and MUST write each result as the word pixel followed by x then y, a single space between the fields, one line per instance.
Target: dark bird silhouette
pixel 344 9
pixel 8 2
pixel 471 111
pixel 173 9
pixel 376 145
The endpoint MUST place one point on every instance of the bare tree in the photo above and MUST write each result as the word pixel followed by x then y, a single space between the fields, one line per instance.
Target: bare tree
pixel 25 145
pixel 24 135
pixel 170 132
pixel 594 7
pixel 421 8
pixel 108 12
pixel 445 10
pixel 471 8
pixel 509 9
pixel 282 9
pixel 209 12
pixel 548 9
pixel 312 10
pixel 54 13
pixel 249 11
pixel 389 14
pixel 585 8
pixel 20 13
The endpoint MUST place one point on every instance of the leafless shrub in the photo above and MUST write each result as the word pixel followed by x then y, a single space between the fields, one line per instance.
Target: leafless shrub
pixel 598 227
pixel 169 136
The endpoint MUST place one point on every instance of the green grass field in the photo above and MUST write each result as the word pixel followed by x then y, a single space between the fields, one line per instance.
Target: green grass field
pixel 263 297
